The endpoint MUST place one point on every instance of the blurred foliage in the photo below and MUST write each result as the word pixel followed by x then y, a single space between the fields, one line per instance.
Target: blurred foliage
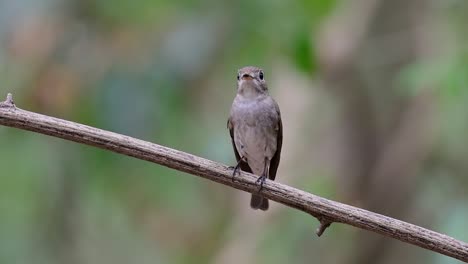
pixel 164 71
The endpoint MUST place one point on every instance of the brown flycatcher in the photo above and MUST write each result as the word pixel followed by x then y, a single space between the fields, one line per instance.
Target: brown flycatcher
pixel 256 130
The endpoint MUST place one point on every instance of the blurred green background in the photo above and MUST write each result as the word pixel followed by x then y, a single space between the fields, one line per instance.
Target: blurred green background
pixel 374 100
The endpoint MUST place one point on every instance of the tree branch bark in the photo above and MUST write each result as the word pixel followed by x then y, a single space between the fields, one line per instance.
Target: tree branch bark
pixel 326 211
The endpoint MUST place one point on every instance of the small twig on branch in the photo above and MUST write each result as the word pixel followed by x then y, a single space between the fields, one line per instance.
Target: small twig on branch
pixel 8 102
pixel 325 210
pixel 324 224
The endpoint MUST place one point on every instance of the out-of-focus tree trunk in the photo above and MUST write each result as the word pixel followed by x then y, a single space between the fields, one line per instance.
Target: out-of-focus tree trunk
pixel 387 135
pixel 62 226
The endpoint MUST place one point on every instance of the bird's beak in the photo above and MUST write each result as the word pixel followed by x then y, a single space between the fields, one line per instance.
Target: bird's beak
pixel 246 76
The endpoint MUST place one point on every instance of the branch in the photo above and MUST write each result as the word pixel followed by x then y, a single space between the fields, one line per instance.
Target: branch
pixel 326 211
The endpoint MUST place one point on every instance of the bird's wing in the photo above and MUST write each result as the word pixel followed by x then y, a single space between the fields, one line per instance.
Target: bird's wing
pixel 279 143
pixel 243 165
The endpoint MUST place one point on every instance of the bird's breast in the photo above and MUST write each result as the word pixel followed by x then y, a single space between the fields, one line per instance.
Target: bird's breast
pixel 255 131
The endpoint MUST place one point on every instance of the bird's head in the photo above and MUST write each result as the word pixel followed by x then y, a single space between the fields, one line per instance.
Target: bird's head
pixel 251 81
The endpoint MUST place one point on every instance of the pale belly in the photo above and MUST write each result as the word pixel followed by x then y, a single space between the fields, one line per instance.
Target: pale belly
pixel 255 143
pixel 256 124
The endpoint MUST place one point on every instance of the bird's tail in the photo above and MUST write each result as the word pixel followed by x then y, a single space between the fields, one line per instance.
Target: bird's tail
pixel 258 202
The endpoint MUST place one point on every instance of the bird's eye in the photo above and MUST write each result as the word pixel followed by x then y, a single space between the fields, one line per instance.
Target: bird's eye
pixel 238 77
pixel 260 75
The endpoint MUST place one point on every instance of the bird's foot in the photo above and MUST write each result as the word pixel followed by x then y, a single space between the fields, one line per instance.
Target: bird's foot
pixel 261 180
pixel 235 170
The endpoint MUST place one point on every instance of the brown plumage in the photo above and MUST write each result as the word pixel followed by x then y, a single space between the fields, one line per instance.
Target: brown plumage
pixel 256 130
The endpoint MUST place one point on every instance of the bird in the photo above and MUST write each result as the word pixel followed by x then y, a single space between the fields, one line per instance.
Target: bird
pixel 256 130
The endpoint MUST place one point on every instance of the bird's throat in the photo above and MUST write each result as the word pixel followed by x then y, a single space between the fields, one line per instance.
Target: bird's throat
pixel 250 91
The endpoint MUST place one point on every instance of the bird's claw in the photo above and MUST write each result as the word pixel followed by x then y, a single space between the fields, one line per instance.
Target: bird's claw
pixel 261 180
pixel 235 170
